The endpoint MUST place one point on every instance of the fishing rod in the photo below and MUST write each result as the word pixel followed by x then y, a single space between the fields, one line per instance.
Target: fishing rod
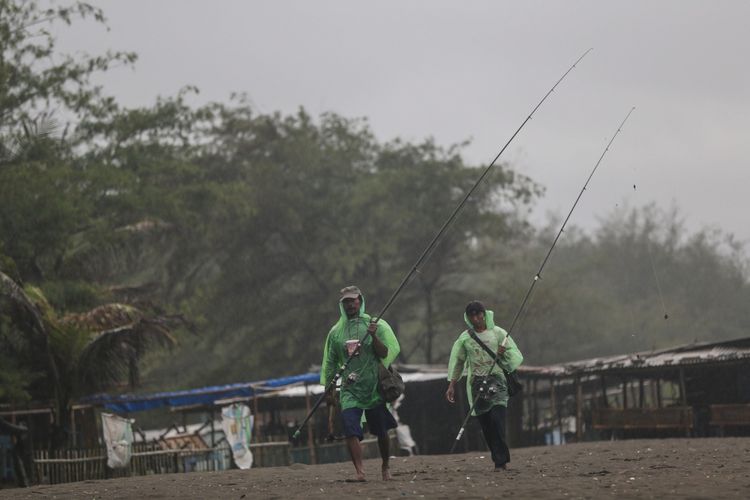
pixel 430 246
pixel 538 275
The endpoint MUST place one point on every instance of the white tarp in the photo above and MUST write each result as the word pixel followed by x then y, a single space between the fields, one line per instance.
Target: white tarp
pixel 118 437
pixel 237 423
pixel 403 432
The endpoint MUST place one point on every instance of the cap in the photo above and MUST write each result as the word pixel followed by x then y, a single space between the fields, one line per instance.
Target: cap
pixel 474 307
pixel 350 292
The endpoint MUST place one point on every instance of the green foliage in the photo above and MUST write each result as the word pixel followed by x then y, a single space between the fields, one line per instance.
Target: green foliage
pixel 14 381
pixel 15 373
pixel 34 78
pixel 40 189
pixel 72 296
pixel 59 358
pixel 609 293
pixel 38 214
pixel 249 223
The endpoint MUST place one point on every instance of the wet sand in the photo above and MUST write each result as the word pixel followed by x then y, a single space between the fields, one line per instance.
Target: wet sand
pixel 669 468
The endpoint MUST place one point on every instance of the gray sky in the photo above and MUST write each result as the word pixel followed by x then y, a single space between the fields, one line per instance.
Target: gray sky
pixel 457 70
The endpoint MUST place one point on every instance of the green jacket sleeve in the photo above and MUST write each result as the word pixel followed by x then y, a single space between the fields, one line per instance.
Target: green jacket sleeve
pixel 512 357
pixel 457 360
pixel 328 365
pixel 388 338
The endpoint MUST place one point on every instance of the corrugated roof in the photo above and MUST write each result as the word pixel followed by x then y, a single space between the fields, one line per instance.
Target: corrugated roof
pixel 689 354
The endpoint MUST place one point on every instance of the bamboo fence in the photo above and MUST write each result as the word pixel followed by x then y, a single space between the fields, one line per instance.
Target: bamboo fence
pixel 64 466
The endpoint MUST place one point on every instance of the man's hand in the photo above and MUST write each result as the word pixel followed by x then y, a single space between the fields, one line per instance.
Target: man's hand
pixel 501 350
pixel 450 393
pixel 372 328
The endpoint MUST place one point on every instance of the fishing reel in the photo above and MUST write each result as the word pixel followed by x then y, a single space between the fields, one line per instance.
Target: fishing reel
pixel 484 388
pixel 487 391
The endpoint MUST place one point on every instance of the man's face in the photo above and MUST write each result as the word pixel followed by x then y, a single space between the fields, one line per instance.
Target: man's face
pixel 476 318
pixel 351 306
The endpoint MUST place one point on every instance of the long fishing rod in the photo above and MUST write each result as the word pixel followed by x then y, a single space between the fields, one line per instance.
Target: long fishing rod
pixel 430 246
pixel 538 275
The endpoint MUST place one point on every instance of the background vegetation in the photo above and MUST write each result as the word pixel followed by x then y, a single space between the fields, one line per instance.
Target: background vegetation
pixel 244 225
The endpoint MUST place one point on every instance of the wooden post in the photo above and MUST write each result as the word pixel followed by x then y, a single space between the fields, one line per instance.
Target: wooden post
pixel 579 408
pixel 658 392
pixel 18 462
pixel 534 411
pixel 683 395
pixel 559 412
pixel 255 411
pixel 624 393
pixel 605 401
pixel 310 439
pixel 640 392
pixel 211 459
pixel 213 444
pixel 527 401
pixel 553 406
pixel 73 427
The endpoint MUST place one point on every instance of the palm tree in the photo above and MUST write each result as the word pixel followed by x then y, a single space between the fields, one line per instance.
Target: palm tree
pixel 34 347
pixel 81 353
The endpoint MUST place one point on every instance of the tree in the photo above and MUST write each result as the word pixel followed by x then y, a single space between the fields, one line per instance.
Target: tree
pixel 609 292
pixel 42 206
pixel 34 78
pixel 76 354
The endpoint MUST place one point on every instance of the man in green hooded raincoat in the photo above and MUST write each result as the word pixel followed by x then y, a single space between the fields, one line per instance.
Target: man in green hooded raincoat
pixel 482 372
pixel 359 386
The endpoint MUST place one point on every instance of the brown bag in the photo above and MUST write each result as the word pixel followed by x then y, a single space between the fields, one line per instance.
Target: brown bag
pixel 390 383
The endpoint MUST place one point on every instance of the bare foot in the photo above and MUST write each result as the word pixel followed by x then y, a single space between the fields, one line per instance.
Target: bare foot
pixel 386 474
pixel 358 478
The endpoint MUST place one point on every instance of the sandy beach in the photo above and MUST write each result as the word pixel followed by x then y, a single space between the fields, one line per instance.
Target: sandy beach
pixel 669 468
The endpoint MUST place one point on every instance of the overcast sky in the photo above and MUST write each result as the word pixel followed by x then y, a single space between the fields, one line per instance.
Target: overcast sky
pixel 457 70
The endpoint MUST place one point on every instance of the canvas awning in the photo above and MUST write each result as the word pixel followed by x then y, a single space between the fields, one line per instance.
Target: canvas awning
pixel 128 403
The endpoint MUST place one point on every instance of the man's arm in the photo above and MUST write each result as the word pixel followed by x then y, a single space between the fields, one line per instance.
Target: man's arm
pixel 511 357
pixel 455 368
pixel 381 350
pixel 450 394
pixel 328 365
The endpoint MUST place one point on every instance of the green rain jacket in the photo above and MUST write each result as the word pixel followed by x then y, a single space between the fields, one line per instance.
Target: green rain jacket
pixel 469 358
pixel 362 393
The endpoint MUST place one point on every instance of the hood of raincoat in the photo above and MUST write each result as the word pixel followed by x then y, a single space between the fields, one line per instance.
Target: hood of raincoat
pixel 489 319
pixel 343 318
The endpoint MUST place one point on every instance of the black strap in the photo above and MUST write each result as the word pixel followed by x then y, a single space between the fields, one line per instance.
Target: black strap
pixel 473 335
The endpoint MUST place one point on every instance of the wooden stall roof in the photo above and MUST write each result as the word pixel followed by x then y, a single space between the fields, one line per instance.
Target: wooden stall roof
pixel 699 353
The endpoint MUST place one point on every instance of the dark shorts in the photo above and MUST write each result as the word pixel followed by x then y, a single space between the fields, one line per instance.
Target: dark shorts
pixel 379 420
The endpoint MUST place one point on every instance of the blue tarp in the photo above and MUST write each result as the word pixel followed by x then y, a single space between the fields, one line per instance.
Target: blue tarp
pixel 129 403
